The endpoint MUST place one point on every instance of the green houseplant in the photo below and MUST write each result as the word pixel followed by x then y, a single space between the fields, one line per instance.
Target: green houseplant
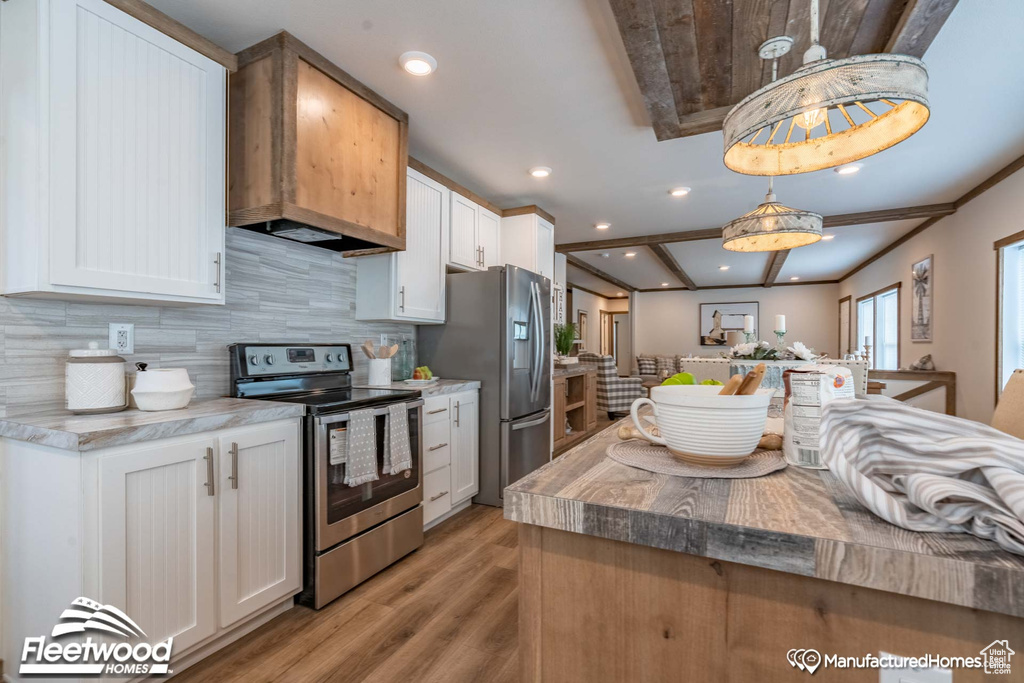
pixel 565 335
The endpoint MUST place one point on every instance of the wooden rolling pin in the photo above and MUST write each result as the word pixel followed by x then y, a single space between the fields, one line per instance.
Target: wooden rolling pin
pixel 752 381
pixel 627 432
pixel 731 386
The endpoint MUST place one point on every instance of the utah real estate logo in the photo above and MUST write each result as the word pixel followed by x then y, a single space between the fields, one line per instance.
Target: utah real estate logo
pixel 120 650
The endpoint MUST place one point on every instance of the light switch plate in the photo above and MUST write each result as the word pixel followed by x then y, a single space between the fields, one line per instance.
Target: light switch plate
pixel 913 675
pixel 122 338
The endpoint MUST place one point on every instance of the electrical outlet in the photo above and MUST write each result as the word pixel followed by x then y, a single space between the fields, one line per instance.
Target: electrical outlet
pixel 909 675
pixel 122 338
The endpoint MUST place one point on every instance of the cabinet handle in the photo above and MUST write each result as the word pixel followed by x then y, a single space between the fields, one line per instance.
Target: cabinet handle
pixel 440 445
pixel 436 411
pixel 440 495
pixel 401 293
pixel 216 280
pixel 234 465
pixel 483 257
pixel 458 413
pixel 209 471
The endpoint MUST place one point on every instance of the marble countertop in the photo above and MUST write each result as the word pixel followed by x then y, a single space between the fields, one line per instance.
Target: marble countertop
pixel 798 521
pixel 573 370
pixel 72 432
pixel 439 388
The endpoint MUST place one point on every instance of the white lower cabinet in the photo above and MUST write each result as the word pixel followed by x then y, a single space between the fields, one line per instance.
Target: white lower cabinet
pixel 157 521
pixel 190 536
pixel 451 448
pixel 260 552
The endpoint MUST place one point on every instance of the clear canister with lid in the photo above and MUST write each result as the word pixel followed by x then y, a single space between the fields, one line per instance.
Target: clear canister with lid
pixel 94 381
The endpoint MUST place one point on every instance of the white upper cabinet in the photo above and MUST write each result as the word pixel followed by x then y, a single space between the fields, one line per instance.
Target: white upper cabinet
pixel 528 241
pixel 475 236
pixel 117 132
pixel 409 286
pixel 465 249
pixel 489 232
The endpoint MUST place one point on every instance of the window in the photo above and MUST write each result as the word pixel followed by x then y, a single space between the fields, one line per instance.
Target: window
pixel 1010 264
pixel 878 323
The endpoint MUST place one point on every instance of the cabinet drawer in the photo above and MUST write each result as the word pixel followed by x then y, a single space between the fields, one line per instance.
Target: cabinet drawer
pixel 435 408
pixel 437 493
pixel 436 445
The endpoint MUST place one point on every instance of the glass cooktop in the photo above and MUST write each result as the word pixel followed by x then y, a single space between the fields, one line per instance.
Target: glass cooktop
pixel 339 400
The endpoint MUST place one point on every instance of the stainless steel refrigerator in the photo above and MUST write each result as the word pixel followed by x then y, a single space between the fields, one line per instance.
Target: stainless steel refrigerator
pixel 498 331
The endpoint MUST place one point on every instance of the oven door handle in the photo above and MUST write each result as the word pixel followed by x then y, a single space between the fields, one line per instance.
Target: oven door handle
pixel 344 417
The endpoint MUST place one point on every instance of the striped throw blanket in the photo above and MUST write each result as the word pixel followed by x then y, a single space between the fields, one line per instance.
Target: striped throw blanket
pixel 928 472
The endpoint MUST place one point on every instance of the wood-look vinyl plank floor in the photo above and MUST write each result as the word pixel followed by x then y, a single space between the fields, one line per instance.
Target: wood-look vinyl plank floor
pixel 447 612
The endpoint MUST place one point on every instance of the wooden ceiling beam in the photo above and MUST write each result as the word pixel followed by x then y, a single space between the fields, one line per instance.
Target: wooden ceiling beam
pixel 990 182
pixel 638 27
pixel 840 220
pixel 755 285
pixel 586 267
pixel 666 257
pixel 918 26
pixel 774 266
pixel 590 291
pixel 886 215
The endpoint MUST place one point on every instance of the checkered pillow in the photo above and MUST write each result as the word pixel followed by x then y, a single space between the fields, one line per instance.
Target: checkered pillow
pixel 666 366
pixel 647 365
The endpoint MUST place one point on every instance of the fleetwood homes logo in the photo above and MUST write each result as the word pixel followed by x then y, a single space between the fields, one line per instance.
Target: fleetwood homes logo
pixel 120 650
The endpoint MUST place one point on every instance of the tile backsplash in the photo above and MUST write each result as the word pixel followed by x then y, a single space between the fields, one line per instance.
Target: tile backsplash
pixel 276 291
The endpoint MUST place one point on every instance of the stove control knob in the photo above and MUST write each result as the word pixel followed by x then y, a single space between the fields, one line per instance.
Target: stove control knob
pixel 329 358
pixel 254 359
pixel 269 359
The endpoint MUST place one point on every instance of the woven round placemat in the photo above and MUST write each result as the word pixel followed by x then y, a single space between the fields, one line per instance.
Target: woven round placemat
pixel 653 458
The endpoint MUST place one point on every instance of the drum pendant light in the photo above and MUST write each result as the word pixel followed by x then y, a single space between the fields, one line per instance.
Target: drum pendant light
pixel 827 113
pixel 772 227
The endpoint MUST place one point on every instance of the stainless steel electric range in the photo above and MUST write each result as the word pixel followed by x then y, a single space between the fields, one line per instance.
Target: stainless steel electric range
pixel 350 532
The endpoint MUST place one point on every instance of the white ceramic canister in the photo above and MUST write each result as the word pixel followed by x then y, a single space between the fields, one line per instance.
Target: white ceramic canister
pixel 162 388
pixel 380 372
pixel 94 381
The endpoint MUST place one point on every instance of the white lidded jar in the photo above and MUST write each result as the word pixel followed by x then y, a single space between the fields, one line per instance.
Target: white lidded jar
pixel 94 381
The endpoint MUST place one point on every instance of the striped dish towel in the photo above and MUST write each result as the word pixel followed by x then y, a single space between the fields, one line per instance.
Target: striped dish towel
pixel 925 471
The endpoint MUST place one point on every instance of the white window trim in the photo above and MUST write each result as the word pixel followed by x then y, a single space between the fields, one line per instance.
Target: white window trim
pixel 898 287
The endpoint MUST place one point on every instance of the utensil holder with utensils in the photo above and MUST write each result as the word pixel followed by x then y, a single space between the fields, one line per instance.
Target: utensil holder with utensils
pixel 380 372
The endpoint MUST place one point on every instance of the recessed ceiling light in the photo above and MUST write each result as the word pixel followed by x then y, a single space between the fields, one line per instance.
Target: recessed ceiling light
pixel 828 237
pixel 679 191
pixel 540 171
pixel 418 63
pixel 848 169
pixel 664 284
pixel 723 267
pixel 630 254
pixel 603 226
pixel 606 255
pixel 795 278
pixel 619 294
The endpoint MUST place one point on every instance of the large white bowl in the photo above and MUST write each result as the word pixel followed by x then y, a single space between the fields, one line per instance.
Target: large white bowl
pixel 702 427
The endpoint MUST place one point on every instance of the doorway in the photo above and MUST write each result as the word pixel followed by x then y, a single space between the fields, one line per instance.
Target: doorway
pixel 615 338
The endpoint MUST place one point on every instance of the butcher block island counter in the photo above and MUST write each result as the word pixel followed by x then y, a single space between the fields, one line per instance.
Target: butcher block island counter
pixel 630 575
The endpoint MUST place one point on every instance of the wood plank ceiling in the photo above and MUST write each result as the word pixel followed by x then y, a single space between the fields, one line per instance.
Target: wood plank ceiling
pixel 695 59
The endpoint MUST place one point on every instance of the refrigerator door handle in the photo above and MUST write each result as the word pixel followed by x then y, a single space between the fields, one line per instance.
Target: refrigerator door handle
pixel 532 423
pixel 538 354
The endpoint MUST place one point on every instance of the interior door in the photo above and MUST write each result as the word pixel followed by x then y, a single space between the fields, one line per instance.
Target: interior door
pixel 420 268
pixel 156 549
pixel 260 533
pixel 137 156
pixel 463 242
pixel 489 231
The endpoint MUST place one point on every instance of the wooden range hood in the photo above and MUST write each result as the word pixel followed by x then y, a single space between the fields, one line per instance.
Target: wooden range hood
pixel 314 155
